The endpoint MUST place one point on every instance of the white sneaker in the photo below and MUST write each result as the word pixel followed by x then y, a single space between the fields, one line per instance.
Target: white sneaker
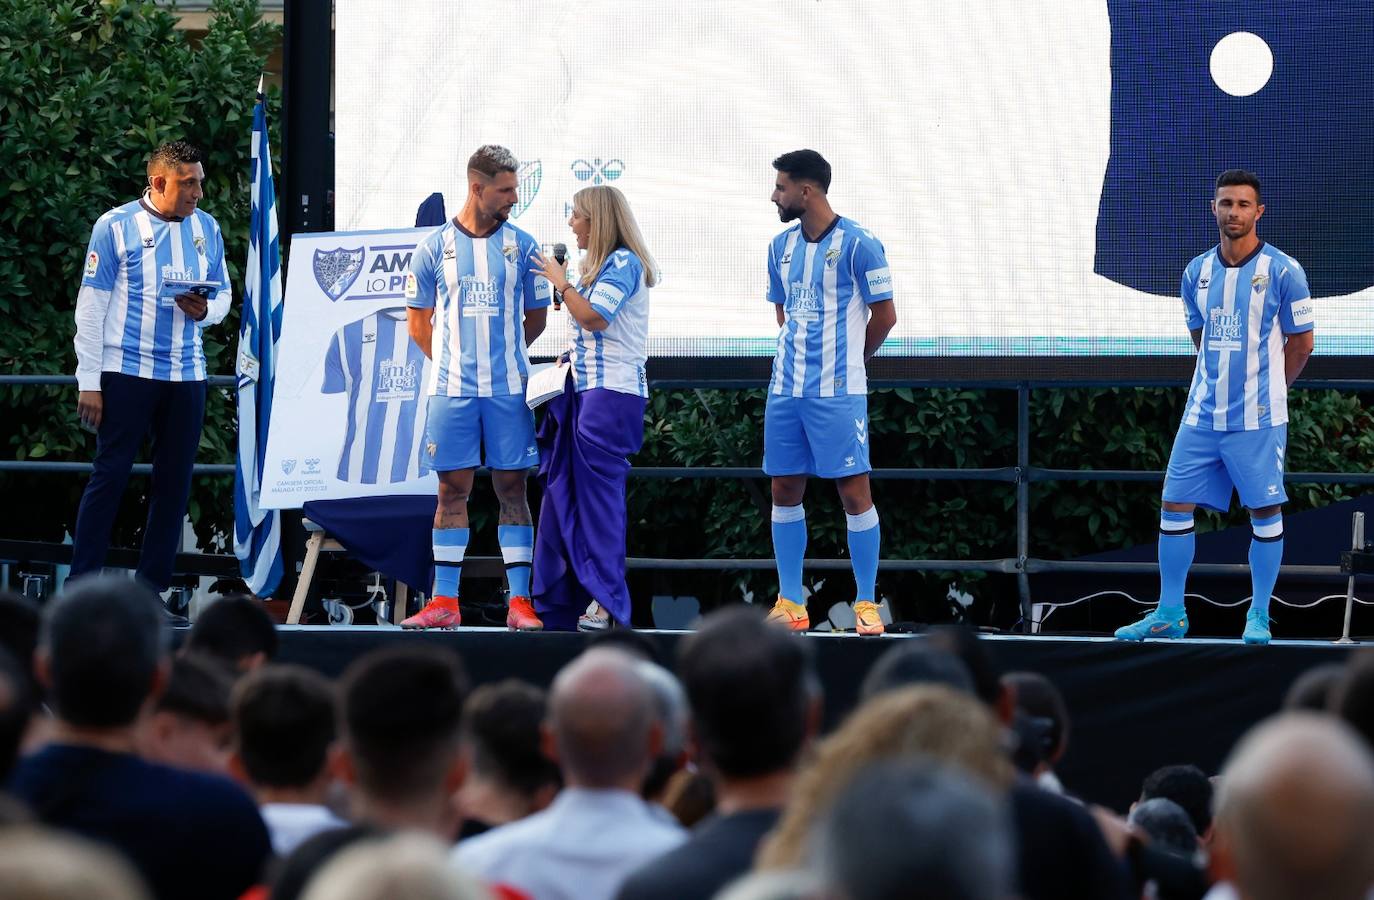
pixel 594 619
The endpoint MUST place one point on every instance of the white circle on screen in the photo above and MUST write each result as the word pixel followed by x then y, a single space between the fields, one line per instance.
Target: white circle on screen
pixel 1241 63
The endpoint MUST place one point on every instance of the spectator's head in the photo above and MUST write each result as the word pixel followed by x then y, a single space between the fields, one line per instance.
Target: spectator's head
pixel 190 727
pixel 236 629
pixel 15 710
pixel 38 863
pixel 903 824
pixel 407 865
pixel 1352 696
pixel 929 721
pixel 1189 787
pixel 292 875
pixel 20 619
pixel 670 710
pixel 753 693
pixel 916 662
pixel 501 727
pixel 1312 689
pixel 603 729
pixel 1166 824
pixel 284 724
pixel 1295 812
pixel 962 641
pixel 402 711
pixel 781 884
pixel 1037 697
pixel 102 652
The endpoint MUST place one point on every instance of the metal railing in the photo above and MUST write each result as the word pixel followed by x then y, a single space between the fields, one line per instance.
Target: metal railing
pixel 1021 476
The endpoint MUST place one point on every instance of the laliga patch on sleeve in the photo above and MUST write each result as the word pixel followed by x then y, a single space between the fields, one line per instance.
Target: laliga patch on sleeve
pixel 412 290
pixel 1305 312
pixel 92 264
pixel 879 280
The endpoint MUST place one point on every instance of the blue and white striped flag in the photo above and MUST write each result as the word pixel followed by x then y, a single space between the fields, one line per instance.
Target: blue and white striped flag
pixel 257 532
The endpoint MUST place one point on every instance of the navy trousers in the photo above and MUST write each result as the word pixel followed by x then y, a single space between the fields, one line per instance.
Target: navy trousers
pixel 171 414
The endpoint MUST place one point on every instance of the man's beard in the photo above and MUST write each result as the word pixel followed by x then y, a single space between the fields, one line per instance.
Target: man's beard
pixel 788 213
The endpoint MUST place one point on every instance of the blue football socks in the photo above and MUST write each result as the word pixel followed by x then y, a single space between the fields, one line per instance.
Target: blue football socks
pixel 789 549
pixel 449 546
pixel 865 539
pixel 517 550
pixel 1177 542
pixel 1266 553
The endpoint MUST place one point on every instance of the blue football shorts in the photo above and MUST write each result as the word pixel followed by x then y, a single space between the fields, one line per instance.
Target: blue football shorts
pixel 822 436
pixel 1206 465
pixel 458 429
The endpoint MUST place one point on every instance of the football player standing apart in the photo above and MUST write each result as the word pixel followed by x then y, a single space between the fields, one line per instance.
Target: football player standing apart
pixel 591 430
pixel 832 289
pixel 474 307
pixel 1251 316
pixel 140 365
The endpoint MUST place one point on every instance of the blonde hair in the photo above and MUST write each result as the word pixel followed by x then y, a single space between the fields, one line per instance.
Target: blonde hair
pixel 39 862
pixel 613 227
pixel 410 865
pixel 930 721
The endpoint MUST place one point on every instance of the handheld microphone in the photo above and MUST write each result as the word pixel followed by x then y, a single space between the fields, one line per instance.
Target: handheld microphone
pixel 560 256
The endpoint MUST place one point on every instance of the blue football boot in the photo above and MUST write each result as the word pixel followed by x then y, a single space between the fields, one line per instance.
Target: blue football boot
pixel 1256 627
pixel 1155 625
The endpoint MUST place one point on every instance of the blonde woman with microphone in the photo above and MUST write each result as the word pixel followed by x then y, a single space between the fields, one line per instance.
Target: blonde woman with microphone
pixel 590 431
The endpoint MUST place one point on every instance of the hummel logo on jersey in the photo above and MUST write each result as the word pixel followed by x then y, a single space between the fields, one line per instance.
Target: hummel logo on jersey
pixel 786 258
pixel 369 337
pixel 147 242
pixel 1204 281
pixel 1272 490
pixel 848 462
pixel 450 253
pixel 531 451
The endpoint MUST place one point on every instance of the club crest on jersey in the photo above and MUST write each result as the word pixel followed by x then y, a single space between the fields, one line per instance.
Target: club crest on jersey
pixel 200 244
pixel 337 269
pixel 510 252
pixel 527 178
pixel 832 256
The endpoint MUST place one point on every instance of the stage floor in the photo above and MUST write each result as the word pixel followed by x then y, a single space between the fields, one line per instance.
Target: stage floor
pixel 1134 707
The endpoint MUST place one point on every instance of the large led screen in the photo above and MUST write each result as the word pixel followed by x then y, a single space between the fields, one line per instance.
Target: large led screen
pixel 1038 171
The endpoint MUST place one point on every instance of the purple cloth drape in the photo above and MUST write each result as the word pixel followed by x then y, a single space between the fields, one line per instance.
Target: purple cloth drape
pixel 584 440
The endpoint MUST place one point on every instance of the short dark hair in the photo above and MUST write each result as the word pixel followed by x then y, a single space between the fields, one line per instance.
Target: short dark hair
pixel 283 719
pixel 1037 696
pixel 1313 689
pixel 198 688
pixel 915 662
pixel 1237 177
pixel 1186 785
pixel 233 628
pixel 750 685
pixel 20 619
pixel 501 723
pixel 104 638
pixel 172 154
pixel 1352 696
pixel 402 711
pixel 490 160
pixel 963 642
pixel 15 711
pixel 1167 824
pixel 805 165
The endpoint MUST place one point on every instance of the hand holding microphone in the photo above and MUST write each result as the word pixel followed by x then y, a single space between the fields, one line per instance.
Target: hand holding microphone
pixel 560 256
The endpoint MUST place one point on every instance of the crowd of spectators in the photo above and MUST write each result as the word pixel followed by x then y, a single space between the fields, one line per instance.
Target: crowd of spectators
pixel 133 769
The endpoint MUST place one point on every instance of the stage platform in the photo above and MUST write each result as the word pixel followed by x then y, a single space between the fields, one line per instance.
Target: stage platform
pixel 1134 707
